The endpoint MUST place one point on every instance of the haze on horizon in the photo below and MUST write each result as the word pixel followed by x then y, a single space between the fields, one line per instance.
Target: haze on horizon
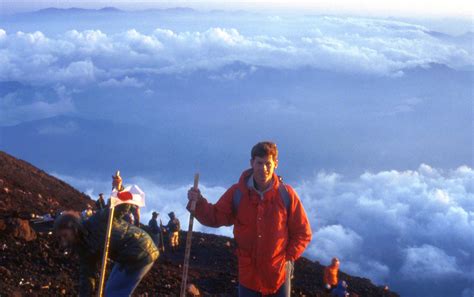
pixel 397 8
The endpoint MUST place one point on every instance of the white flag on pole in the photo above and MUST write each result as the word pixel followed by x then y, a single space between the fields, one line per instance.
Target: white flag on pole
pixel 131 195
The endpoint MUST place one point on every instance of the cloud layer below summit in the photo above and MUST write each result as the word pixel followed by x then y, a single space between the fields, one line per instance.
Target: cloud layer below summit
pixel 349 45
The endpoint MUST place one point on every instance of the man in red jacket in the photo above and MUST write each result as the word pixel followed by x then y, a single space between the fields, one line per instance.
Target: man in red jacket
pixel 271 228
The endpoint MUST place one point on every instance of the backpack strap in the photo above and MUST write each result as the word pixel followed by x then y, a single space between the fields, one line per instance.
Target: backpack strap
pixel 236 200
pixel 284 194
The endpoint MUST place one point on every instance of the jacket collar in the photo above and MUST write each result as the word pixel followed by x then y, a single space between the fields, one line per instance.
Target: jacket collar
pixel 245 182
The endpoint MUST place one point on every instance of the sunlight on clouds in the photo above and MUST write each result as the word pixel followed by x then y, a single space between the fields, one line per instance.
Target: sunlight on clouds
pixel 342 44
pixel 428 261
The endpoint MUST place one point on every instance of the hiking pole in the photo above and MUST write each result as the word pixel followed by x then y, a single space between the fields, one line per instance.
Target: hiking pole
pixel 189 235
pixel 106 252
pixel 162 239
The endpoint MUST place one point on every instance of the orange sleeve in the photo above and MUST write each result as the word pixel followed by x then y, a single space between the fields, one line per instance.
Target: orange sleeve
pixel 299 229
pixel 215 215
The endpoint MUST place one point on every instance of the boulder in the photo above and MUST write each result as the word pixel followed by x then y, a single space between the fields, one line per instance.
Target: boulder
pixel 21 229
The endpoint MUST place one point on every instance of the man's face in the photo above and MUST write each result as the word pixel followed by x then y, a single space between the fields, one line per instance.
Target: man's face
pixel 263 168
pixel 66 238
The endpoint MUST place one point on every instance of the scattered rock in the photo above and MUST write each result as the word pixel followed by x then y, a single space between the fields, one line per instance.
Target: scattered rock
pixel 21 229
pixel 5 272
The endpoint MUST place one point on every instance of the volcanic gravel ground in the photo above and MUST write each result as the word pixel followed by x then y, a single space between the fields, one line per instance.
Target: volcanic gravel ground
pixel 40 268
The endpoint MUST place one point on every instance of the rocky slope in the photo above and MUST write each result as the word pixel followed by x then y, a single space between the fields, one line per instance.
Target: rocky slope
pixel 31 264
pixel 27 189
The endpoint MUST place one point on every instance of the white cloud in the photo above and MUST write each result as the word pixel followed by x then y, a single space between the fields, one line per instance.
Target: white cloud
pixel 355 45
pixel 78 71
pixel 125 82
pixel 422 220
pixel 429 262
pixel 335 240
pixel 389 226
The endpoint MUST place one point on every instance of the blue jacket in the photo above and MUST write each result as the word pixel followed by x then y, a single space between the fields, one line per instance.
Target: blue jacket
pixel 340 290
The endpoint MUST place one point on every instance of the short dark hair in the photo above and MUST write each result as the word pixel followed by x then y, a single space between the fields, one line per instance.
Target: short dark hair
pixel 265 148
pixel 66 221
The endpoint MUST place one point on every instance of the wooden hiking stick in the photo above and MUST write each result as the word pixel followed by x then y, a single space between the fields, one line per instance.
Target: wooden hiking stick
pixel 100 290
pixel 161 236
pixel 189 235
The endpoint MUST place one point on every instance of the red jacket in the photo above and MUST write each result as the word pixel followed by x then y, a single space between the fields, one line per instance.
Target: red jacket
pixel 266 236
pixel 330 275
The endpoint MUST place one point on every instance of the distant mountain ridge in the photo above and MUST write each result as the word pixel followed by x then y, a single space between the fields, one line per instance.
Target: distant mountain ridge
pixel 110 9
pixel 76 10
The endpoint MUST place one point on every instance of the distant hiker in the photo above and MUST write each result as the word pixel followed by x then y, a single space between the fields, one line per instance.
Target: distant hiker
pixel 87 213
pixel 173 228
pixel 132 250
pixel 155 230
pixel 117 184
pixel 340 290
pixel 100 203
pixel 270 225
pixel 330 275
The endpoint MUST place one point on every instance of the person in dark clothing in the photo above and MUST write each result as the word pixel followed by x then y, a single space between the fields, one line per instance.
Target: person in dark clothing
pixel 340 290
pixel 173 228
pixel 131 248
pixel 155 230
pixel 100 203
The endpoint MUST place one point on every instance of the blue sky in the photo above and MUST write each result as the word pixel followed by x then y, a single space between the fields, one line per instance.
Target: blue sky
pixel 372 115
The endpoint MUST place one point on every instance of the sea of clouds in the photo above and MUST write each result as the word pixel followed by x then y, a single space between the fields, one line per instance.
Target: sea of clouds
pixel 390 226
pixel 354 45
